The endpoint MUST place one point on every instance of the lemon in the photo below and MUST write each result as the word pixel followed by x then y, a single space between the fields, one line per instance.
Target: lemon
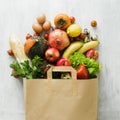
pixel 74 30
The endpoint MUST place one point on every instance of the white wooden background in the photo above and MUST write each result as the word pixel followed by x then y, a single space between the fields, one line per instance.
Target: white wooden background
pixel 17 16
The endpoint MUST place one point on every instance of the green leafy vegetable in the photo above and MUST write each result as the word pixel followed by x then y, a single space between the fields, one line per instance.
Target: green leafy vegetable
pixel 28 69
pixel 92 66
pixel 65 75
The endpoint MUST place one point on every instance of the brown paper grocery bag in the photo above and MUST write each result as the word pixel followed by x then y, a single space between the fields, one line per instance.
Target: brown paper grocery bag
pixel 61 99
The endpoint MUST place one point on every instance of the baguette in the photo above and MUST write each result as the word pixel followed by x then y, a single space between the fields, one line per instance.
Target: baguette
pixel 17 47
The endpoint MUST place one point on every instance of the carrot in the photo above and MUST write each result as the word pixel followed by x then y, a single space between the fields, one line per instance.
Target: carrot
pixel 62 21
pixel 29 43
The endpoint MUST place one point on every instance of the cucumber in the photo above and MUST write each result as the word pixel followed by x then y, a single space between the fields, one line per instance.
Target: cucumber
pixel 74 46
pixel 87 46
pixel 18 48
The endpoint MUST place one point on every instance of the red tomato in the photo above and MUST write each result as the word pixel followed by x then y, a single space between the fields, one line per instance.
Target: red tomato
pixel 46 35
pixel 82 35
pixel 28 36
pixel 72 19
pixel 35 34
pixel 10 52
pixel 82 72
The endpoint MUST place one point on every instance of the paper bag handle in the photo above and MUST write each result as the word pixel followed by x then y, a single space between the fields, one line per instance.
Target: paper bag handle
pixel 63 69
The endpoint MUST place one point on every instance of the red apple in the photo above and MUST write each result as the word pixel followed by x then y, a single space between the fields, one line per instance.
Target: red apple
pixel 92 53
pixel 52 54
pixel 63 62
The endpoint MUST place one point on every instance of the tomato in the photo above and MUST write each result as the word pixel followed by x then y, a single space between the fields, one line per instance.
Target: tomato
pixel 82 35
pixel 28 36
pixel 10 52
pixel 35 34
pixel 82 72
pixel 46 35
pixel 72 19
pixel 77 38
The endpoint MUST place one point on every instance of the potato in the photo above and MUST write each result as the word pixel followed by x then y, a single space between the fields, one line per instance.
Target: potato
pixel 37 28
pixel 47 25
pixel 41 18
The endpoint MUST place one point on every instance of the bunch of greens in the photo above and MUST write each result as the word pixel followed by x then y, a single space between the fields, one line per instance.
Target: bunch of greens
pixel 28 69
pixel 92 66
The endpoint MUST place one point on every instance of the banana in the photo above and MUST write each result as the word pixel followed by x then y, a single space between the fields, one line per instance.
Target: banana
pixel 88 45
pixel 18 48
pixel 72 48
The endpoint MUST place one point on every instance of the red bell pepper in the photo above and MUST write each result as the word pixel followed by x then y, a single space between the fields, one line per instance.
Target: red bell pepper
pixel 82 72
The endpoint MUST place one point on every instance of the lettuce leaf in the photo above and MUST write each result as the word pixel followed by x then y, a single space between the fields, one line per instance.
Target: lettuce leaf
pixel 92 65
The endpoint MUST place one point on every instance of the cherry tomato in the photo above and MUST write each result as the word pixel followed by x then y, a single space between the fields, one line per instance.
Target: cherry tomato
pixel 77 38
pixel 10 52
pixel 82 35
pixel 46 35
pixel 28 36
pixel 35 34
pixel 72 19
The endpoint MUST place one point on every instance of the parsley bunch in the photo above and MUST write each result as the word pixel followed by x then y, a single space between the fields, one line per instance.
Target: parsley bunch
pixel 28 69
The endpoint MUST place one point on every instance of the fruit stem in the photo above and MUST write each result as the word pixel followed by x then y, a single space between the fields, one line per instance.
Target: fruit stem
pixel 57 41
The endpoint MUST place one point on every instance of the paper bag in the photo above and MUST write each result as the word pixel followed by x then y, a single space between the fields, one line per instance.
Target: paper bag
pixel 61 99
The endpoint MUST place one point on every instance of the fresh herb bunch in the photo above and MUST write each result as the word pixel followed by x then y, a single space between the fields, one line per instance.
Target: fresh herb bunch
pixel 92 65
pixel 28 69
